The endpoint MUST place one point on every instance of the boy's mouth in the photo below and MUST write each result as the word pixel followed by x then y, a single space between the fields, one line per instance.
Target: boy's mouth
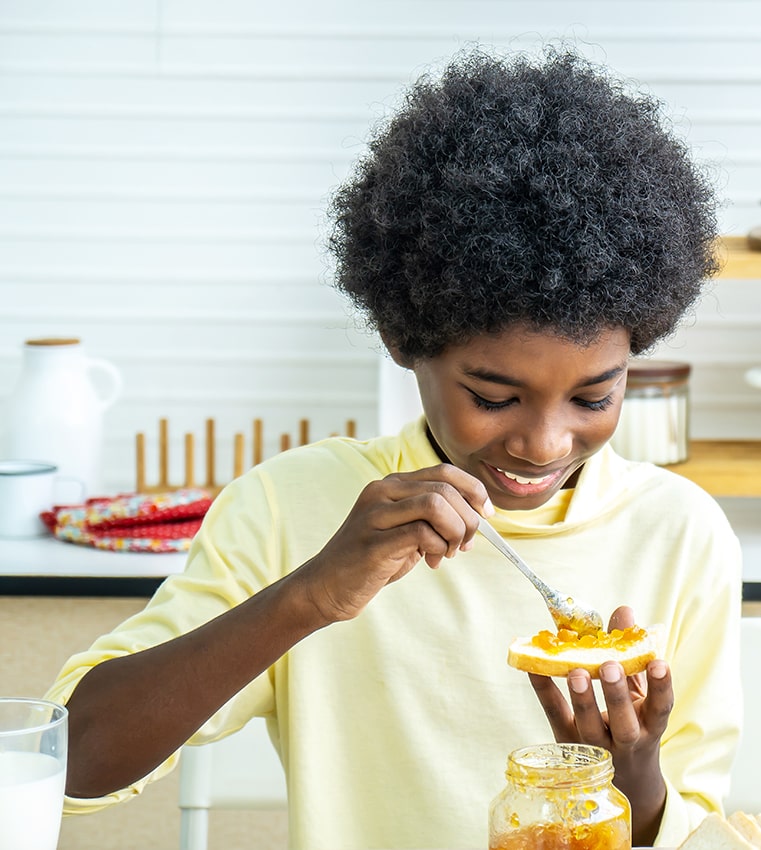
pixel 525 485
pixel 521 479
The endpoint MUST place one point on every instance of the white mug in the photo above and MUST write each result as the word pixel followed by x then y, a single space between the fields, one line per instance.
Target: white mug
pixel 27 488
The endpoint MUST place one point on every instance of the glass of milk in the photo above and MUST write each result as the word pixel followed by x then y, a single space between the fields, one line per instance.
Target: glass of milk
pixel 33 744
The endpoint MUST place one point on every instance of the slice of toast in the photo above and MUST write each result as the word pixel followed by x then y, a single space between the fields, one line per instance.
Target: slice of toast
pixel 715 833
pixel 525 654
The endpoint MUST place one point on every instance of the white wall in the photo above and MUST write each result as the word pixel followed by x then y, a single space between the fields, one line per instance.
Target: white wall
pixel 164 166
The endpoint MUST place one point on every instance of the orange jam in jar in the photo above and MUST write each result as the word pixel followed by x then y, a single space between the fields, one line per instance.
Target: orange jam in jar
pixel 568 639
pixel 560 797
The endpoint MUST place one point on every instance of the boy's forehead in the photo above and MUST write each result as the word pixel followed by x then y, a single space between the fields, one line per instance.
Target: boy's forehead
pixel 516 339
pixel 513 353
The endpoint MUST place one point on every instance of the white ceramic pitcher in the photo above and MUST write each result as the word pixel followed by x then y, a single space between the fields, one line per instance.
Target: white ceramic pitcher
pixel 55 412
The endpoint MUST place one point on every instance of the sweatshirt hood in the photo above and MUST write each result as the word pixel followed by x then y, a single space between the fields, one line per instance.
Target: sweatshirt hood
pixel 606 479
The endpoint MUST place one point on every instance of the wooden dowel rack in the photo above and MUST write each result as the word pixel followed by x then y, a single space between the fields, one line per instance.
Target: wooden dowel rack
pixel 210 478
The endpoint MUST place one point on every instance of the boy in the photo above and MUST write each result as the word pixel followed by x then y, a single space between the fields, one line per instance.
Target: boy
pixel 516 232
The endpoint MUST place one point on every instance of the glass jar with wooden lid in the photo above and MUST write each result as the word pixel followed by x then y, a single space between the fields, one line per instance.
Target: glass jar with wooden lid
pixel 654 423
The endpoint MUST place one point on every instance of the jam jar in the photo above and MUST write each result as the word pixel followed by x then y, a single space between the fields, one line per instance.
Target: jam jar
pixel 560 797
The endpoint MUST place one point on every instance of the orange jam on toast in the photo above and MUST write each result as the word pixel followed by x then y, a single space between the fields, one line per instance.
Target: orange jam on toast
pixel 620 639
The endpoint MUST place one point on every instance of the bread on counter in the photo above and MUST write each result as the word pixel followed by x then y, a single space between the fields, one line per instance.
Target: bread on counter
pixel 748 826
pixel 737 832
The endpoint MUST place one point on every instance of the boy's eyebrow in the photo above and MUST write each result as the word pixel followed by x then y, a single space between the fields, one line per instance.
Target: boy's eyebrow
pixel 506 380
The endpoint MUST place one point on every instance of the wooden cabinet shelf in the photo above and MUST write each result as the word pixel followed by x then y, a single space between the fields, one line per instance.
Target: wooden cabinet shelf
pixel 738 260
pixel 724 467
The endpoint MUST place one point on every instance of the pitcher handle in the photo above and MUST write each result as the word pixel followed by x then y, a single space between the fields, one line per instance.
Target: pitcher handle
pixel 66 480
pixel 110 397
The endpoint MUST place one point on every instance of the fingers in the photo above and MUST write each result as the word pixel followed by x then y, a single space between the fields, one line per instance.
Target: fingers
pixel 582 720
pixel 637 686
pixel 636 711
pixel 590 722
pixel 656 708
pixel 394 523
pixel 448 480
pixel 635 714
pixel 438 508
pixel 621 618
pixel 438 519
pixel 643 706
pixel 623 719
pixel 555 707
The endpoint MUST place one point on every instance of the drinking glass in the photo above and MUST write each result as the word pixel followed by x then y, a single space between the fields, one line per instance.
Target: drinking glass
pixel 33 742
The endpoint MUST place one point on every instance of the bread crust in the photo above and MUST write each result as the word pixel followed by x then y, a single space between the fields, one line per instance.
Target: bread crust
pixel 747 826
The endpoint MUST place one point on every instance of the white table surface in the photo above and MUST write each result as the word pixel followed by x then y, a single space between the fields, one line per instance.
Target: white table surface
pixel 46 556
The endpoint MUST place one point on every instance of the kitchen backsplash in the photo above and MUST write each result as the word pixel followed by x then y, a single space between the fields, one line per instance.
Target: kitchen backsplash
pixel 164 168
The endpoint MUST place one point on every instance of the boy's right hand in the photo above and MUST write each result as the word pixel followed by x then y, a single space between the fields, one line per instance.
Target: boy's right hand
pixel 430 513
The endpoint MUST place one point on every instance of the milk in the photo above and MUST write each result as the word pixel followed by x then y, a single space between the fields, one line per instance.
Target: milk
pixel 31 801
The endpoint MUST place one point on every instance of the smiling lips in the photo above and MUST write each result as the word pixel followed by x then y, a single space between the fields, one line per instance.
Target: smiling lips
pixel 520 479
pixel 524 485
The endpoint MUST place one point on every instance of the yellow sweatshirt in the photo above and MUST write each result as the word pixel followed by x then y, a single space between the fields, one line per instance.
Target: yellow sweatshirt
pixel 394 727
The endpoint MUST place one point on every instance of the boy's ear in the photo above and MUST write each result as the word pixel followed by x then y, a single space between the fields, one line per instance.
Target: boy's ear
pixel 396 354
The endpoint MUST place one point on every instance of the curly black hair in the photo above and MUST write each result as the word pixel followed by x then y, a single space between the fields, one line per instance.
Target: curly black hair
pixel 517 190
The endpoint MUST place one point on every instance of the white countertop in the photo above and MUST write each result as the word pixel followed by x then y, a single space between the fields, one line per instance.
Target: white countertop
pixel 46 556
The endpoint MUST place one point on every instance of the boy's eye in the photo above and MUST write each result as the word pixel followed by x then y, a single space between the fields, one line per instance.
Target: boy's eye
pixel 602 404
pixel 484 403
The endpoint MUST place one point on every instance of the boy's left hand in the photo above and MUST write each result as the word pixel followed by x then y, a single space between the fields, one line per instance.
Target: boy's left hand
pixel 637 711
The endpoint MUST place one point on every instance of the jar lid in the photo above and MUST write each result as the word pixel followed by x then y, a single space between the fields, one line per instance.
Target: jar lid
pixel 657 371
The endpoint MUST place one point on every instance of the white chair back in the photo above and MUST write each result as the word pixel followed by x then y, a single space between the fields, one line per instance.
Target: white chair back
pixel 745 791
pixel 242 771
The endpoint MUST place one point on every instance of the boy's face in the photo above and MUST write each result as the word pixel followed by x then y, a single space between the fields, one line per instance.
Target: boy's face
pixel 522 410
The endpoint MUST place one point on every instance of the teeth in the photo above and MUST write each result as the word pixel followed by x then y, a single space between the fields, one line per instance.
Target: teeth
pixel 522 480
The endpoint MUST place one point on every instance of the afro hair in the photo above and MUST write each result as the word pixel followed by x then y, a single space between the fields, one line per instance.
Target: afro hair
pixel 511 190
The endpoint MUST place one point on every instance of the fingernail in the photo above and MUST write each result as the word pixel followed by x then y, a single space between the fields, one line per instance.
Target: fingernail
pixel 657 669
pixel 467 544
pixel 610 672
pixel 488 507
pixel 578 683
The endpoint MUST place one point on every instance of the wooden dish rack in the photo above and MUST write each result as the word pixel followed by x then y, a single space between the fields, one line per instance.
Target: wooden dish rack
pixel 210 483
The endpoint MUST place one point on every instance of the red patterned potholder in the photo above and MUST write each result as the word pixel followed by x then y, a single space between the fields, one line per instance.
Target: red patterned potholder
pixel 136 522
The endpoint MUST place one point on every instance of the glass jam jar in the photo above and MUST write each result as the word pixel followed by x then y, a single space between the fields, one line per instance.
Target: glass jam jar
pixel 654 423
pixel 560 797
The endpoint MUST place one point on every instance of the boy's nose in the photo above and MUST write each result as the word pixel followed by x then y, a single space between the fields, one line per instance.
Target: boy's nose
pixel 541 444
